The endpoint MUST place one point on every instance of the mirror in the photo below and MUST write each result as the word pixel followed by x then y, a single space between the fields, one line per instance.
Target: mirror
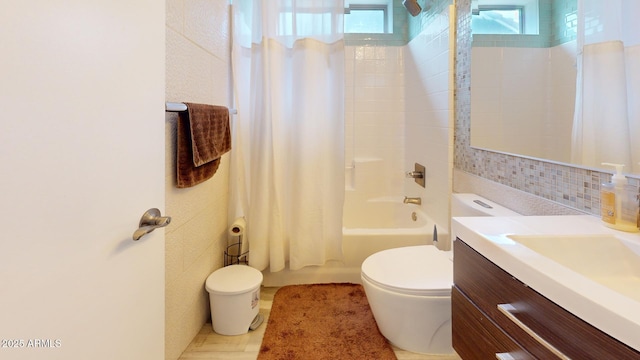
pixel 523 86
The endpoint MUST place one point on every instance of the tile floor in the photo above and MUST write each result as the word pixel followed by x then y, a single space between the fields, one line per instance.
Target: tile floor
pixel 209 345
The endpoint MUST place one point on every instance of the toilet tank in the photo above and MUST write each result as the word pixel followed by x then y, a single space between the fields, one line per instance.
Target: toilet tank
pixel 474 205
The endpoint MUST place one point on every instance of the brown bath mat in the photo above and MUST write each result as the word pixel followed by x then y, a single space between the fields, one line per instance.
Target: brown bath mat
pixel 322 321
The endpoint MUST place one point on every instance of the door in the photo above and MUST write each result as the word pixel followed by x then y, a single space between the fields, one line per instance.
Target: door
pixel 82 158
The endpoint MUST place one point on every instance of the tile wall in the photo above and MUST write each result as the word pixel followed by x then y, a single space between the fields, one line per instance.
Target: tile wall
pixel 431 10
pixel 564 21
pixel 429 112
pixel 398 110
pixel 374 114
pixel 197 70
pixel 397 38
pixel 374 107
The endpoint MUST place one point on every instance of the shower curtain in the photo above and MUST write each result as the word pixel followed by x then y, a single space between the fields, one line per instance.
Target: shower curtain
pixel 287 166
pixel 607 114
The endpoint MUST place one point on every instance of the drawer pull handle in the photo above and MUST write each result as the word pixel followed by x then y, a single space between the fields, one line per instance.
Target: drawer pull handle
pixel 508 310
pixel 518 355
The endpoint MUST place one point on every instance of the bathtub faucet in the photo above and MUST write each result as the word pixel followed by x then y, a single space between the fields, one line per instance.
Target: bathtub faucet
pixel 412 200
pixel 415 174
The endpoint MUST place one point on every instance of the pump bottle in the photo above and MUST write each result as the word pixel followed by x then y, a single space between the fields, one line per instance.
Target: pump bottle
pixel 618 202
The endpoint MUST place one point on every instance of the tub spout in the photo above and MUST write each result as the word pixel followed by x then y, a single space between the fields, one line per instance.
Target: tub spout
pixel 412 200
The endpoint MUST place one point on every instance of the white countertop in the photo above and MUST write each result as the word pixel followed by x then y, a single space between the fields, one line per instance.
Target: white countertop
pixel 613 313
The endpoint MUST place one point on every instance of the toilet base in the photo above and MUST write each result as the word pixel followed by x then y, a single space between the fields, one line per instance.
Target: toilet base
pixel 420 324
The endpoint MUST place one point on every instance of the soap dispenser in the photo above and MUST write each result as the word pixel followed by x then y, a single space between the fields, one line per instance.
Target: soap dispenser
pixel 618 202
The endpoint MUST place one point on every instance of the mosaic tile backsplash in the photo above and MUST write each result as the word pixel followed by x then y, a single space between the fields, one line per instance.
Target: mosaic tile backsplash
pixel 575 187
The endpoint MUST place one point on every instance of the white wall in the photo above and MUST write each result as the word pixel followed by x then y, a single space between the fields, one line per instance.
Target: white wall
pixel 197 33
pixel 429 116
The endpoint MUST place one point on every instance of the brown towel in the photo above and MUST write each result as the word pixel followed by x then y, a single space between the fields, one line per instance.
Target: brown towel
pixel 203 137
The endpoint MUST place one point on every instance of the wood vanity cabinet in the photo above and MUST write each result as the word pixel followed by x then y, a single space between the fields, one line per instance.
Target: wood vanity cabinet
pixel 488 303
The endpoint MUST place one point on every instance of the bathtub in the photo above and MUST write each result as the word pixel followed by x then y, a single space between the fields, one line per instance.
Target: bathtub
pixel 369 226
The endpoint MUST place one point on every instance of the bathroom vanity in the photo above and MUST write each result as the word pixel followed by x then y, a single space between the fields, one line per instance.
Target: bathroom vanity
pixel 530 288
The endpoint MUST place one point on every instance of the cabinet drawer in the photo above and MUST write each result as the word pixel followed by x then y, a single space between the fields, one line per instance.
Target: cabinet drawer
pixel 475 336
pixel 488 286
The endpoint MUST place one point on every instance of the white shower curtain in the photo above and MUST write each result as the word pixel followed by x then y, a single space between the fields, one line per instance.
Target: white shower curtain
pixel 287 163
pixel 606 123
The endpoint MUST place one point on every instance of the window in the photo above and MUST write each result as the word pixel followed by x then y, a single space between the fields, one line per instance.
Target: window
pixel 368 17
pixel 498 20
pixel 506 16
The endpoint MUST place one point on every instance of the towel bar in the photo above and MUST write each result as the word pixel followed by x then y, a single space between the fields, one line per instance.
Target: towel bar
pixel 177 107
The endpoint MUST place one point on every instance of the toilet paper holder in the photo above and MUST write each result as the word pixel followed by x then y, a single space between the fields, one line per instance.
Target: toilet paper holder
pixel 235 252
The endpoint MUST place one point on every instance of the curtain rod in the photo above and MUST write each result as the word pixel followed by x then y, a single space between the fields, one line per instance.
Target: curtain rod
pixel 177 107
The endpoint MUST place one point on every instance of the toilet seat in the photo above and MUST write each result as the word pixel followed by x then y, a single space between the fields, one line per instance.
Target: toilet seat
pixel 414 270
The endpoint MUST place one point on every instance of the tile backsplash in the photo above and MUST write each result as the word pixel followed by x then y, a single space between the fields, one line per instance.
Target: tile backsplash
pixel 575 187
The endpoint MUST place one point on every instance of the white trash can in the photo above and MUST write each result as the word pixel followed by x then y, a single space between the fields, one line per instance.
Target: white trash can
pixel 234 295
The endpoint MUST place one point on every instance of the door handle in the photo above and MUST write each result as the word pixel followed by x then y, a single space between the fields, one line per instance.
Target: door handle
pixel 150 221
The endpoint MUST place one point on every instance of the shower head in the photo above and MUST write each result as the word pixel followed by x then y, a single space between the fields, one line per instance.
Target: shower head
pixel 412 7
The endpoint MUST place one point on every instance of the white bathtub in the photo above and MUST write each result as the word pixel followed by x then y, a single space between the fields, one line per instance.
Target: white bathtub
pixel 368 227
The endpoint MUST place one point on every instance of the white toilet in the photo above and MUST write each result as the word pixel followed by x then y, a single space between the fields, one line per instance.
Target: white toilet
pixel 409 288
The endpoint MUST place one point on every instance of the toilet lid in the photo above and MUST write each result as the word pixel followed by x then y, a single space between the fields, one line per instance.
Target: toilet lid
pixel 413 270
pixel 233 279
